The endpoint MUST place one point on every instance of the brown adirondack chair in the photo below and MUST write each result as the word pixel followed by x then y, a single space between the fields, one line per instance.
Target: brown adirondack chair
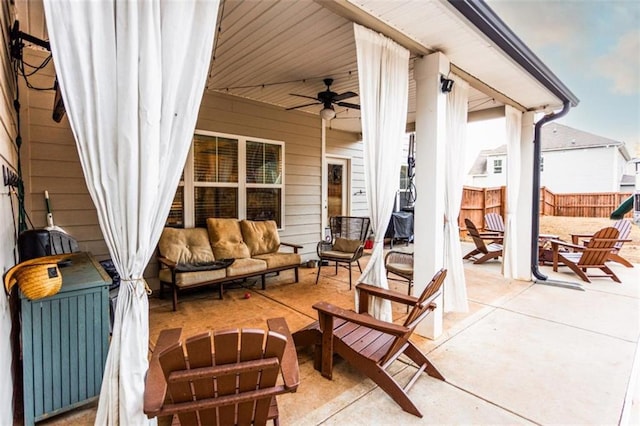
pixel 593 255
pixel 624 228
pixel 371 345
pixel 486 251
pixel 228 381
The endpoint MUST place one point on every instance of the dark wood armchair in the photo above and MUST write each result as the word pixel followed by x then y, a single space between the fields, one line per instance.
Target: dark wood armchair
pixel 485 251
pixel 371 345
pixel 221 378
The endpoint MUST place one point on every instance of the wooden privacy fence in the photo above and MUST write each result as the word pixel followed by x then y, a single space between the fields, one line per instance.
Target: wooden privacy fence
pixel 477 202
pixel 596 204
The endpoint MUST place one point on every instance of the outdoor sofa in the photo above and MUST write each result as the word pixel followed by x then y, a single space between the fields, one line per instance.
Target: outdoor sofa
pixel 227 250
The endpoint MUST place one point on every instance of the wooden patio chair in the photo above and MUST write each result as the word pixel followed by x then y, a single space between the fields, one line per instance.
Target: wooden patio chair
pixel 221 378
pixel 593 255
pixel 624 228
pixel 494 223
pixel 486 251
pixel 371 345
pixel 348 234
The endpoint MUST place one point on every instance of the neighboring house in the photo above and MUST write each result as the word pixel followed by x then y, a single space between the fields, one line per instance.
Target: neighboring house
pixel 573 161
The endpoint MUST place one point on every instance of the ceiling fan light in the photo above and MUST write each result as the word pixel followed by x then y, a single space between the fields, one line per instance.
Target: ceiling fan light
pixel 327 113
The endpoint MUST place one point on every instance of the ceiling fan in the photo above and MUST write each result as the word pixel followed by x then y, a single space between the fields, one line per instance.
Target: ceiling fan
pixel 328 99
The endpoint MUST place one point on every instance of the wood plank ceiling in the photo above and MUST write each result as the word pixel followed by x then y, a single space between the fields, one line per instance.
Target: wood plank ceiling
pixel 267 50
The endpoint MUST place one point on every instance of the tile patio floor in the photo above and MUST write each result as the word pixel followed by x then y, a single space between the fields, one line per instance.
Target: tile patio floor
pixel 524 353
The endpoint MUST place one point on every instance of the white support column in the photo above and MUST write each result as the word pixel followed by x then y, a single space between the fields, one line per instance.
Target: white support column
pixel 523 217
pixel 430 155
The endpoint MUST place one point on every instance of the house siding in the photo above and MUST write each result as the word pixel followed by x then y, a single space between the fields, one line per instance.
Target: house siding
pixel 597 169
pixel 581 170
pixel 55 165
pixel 8 204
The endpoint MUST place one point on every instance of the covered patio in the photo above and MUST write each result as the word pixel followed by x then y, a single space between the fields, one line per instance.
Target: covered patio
pixel 264 52
pixel 523 354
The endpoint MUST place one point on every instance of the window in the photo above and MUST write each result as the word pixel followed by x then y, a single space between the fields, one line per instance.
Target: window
pixel 541 164
pixel 497 166
pixel 404 179
pixel 230 176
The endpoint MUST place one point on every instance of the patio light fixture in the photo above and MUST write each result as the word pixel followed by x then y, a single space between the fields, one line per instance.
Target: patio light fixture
pixel 327 113
pixel 447 84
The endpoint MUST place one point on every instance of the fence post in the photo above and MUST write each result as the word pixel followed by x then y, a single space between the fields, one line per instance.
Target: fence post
pixel 484 207
pixel 503 201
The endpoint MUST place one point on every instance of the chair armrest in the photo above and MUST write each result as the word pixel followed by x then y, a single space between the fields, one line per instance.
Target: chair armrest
pixel 362 319
pixel 367 290
pixel 322 247
pixel 575 238
pixel 289 363
pixel 358 253
pixel 555 244
pixel 167 262
pixel 493 236
pixel 295 247
pixel 155 385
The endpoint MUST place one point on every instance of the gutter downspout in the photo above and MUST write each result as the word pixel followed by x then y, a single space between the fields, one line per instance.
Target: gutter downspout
pixel 535 211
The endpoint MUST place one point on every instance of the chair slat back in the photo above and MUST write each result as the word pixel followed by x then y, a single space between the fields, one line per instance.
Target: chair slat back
pixel 494 222
pixel 624 228
pixel 475 235
pixel 599 247
pixel 428 294
pixel 349 227
pixel 420 310
pixel 228 348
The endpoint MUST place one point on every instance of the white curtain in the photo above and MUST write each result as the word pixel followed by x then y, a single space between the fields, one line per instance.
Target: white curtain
pixel 455 287
pixel 513 124
pixel 383 71
pixel 132 76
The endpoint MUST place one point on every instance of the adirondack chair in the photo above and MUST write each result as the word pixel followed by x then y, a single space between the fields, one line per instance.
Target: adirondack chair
pixel 624 228
pixel 371 345
pixel 494 223
pixel 593 255
pixel 348 234
pixel 486 251
pixel 232 380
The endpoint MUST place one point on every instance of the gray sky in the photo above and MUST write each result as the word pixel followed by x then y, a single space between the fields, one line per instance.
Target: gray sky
pixel 593 46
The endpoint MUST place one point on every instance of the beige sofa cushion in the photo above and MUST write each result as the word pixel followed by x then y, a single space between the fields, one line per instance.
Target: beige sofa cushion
pixel 226 239
pixel 346 245
pixel 246 266
pixel 186 279
pixel 279 260
pixel 260 236
pixel 186 245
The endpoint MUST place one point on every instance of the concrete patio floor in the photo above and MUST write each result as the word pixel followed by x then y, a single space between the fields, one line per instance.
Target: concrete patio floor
pixel 524 353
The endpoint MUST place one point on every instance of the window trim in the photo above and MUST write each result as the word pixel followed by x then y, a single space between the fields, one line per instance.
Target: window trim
pixel 497 166
pixel 242 185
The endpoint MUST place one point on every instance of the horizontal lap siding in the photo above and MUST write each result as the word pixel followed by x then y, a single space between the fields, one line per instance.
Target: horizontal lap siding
pixel 8 204
pixel 348 145
pixel 54 166
pixel 301 134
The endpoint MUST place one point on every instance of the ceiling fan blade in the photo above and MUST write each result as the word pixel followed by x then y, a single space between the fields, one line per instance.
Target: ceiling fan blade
pixel 345 95
pixel 302 106
pixel 304 96
pixel 348 105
